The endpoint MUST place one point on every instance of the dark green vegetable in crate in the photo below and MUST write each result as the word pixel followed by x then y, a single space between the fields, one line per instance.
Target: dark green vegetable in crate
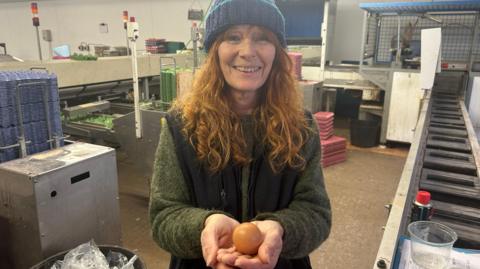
pixel 81 57
pixel 169 85
pixel 102 120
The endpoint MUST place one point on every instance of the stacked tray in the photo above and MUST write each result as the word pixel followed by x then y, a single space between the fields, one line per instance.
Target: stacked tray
pixel 296 59
pixel 37 93
pixel 156 45
pixel 334 148
pixel 334 151
pixel 325 124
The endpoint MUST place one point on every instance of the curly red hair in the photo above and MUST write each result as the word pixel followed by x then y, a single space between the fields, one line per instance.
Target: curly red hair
pixel 215 130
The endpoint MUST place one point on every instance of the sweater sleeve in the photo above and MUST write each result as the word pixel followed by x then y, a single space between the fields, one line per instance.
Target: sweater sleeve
pixel 307 220
pixel 176 224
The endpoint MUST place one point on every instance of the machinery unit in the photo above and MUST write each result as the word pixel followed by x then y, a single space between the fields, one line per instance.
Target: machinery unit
pixel 140 148
pixel 93 122
pixel 4 57
pixel 55 200
pixel 311 91
pixel 390 52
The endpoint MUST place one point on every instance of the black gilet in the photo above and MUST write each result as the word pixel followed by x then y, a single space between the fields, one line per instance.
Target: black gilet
pixel 267 191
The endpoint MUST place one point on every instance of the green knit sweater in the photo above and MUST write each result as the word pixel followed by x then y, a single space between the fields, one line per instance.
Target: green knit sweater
pixel 177 225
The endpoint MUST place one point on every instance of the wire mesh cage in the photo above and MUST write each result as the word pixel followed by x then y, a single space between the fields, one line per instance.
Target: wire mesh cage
pixel 457 34
pixel 460 35
pixel 476 42
pixel 371 35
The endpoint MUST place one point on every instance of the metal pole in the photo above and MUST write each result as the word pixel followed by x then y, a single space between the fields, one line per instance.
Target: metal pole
pixel 47 116
pixel 195 60
pixel 38 43
pixel 136 92
pixel 364 38
pixel 195 48
pixel 324 34
pixel 50 49
pixel 21 128
pixel 399 53
pixel 128 44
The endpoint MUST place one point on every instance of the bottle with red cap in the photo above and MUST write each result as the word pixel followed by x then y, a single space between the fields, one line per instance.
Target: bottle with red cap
pixel 422 208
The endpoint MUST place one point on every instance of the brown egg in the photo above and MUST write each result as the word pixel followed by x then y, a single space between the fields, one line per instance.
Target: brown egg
pixel 247 238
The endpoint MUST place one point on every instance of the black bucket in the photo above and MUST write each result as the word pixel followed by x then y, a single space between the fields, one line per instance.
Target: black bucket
pixel 364 133
pixel 347 103
pixel 48 263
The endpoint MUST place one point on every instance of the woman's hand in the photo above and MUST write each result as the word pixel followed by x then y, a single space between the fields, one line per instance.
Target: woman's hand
pixel 216 234
pixel 268 252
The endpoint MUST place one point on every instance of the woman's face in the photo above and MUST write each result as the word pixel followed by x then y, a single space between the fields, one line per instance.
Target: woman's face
pixel 246 55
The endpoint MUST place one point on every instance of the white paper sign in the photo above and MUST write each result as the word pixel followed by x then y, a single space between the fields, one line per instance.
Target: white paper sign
pixel 431 44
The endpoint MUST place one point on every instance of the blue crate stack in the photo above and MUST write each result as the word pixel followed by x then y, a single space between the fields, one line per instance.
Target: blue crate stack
pixel 33 110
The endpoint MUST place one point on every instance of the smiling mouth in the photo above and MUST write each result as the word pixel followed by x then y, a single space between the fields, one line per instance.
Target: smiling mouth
pixel 247 69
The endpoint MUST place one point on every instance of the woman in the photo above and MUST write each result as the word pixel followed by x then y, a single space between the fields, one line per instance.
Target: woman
pixel 240 148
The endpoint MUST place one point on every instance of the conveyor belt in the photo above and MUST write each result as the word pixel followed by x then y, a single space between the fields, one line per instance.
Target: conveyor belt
pixel 449 169
pixel 450 161
pixel 444 159
pixel 441 129
pixel 449 143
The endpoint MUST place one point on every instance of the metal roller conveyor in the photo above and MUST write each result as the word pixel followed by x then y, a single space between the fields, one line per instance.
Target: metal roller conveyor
pixel 450 161
pixel 440 130
pixel 444 159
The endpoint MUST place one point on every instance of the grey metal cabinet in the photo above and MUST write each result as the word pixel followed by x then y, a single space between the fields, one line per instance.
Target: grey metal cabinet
pixel 55 200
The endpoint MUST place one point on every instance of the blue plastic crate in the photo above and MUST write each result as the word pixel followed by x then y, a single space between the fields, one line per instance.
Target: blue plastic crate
pixel 35 94
pixel 31 97
pixel 7 116
pixel 26 113
pixel 8 155
pixel 7 86
pixel 54 109
pixel 55 118
pixel 31 149
pixel 41 147
pixel 5 137
pixel 25 90
pixel 53 87
pixel 28 132
pixel 30 93
pixel 57 127
pixel 8 137
pixel 51 84
pixel 38 111
pixel 40 132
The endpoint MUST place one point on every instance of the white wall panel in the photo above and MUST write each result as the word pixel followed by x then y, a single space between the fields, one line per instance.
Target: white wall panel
pixel 74 21
pixel 474 108
pixel 404 107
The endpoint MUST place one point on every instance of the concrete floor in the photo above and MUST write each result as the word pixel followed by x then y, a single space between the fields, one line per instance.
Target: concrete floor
pixel 358 188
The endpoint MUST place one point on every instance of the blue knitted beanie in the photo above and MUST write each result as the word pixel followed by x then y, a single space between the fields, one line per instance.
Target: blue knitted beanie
pixel 225 13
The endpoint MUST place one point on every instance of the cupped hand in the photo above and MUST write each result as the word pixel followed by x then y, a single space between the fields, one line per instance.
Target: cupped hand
pixel 216 234
pixel 268 252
